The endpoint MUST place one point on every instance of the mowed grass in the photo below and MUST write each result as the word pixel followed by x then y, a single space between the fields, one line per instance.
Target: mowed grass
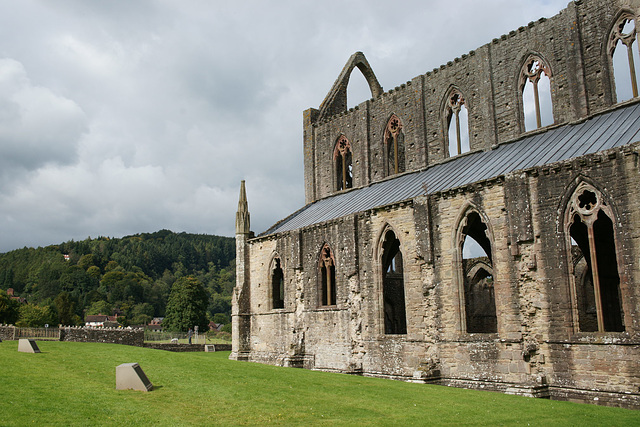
pixel 74 384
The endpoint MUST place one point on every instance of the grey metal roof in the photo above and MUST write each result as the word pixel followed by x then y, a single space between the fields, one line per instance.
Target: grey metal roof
pixel 609 130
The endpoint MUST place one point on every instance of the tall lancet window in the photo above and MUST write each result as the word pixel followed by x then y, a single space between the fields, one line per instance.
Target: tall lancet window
pixel 344 164
pixel 624 53
pixel 277 284
pixel 535 86
pixel 474 244
pixel 595 277
pixel 458 123
pixel 395 317
pixel 394 140
pixel 327 272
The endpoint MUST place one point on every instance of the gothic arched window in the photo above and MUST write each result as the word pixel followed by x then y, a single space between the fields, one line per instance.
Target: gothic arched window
pixel 535 87
pixel 595 278
pixel 475 271
pixel 394 141
pixel 457 123
pixel 395 317
pixel 327 272
pixel 344 165
pixel 277 284
pixel 623 52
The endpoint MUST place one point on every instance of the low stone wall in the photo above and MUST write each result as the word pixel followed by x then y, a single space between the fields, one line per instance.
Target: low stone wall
pixel 7 332
pixel 185 347
pixel 133 337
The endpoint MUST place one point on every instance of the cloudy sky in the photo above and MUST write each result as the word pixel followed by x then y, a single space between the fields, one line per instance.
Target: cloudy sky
pixel 127 116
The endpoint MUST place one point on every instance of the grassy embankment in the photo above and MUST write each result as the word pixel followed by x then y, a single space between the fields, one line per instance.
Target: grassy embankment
pixel 74 384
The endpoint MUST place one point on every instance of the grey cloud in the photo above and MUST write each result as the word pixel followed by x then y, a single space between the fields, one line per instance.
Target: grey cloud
pixel 37 127
pixel 121 117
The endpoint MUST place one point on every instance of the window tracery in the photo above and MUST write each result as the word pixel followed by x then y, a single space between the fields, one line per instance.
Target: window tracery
pixel 344 164
pixel 327 271
pixel 624 33
pixel 535 87
pixel 594 277
pixel 457 123
pixel 394 139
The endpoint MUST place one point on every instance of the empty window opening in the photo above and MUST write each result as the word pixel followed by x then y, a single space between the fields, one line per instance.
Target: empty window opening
pixel 327 276
pixel 623 49
pixel 394 140
pixel 358 89
pixel 458 122
pixel 344 164
pixel 277 284
pixel 395 318
pixel 595 267
pixel 477 268
pixel 536 94
pixel 480 303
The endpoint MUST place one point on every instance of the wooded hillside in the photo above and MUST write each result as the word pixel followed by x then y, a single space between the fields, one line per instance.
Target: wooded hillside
pixel 131 276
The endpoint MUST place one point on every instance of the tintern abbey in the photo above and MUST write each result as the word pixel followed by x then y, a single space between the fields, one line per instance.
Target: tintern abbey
pixel 477 226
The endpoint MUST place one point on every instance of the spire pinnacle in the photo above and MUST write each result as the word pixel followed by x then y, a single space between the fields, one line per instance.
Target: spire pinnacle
pixel 242 216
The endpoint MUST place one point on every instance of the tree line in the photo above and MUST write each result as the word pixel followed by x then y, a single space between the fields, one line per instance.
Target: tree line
pixel 131 276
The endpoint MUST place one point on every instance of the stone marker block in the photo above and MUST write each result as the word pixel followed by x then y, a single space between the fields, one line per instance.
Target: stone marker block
pixel 28 346
pixel 131 376
pixel 210 347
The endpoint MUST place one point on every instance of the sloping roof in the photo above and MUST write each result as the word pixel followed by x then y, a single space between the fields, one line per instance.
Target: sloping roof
pixel 612 129
pixel 96 318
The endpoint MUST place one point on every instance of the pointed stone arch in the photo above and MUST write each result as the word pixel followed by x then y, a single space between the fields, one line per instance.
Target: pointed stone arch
pixel 535 69
pixel 276 281
pixel 616 40
pixel 394 148
pixel 455 121
pixel 474 278
pixel 595 270
pixel 343 163
pixel 390 260
pixel 326 276
pixel 336 100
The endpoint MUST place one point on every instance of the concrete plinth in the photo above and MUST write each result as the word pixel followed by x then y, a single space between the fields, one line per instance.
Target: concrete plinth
pixel 28 346
pixel 130 376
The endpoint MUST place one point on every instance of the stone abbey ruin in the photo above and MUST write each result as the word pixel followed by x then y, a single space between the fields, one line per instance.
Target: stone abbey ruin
pixel 478 226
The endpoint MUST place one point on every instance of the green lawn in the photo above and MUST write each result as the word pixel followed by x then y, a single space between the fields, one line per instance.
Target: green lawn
pixel 74 384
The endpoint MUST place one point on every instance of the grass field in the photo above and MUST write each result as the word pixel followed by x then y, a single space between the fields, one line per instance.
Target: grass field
pixel 74 384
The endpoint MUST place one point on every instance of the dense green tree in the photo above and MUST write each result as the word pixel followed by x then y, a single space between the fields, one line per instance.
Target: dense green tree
pixel 144 268
pixel 9 309
pixel 187 306
pixel 33 316
pixel 142 314
pixel 65 306
pixel 221 318
pixel 86 261
pixel 99 307
pixel 94 272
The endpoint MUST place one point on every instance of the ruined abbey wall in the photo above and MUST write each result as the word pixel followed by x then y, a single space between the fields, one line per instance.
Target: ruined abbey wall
pixel 573 44
pixel 537 346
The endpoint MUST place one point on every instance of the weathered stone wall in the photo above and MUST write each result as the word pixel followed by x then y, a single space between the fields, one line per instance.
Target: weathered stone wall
pixel 573 43
pixel 538 349
pixel 7 332
pixel 184 348
pixel 133 337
